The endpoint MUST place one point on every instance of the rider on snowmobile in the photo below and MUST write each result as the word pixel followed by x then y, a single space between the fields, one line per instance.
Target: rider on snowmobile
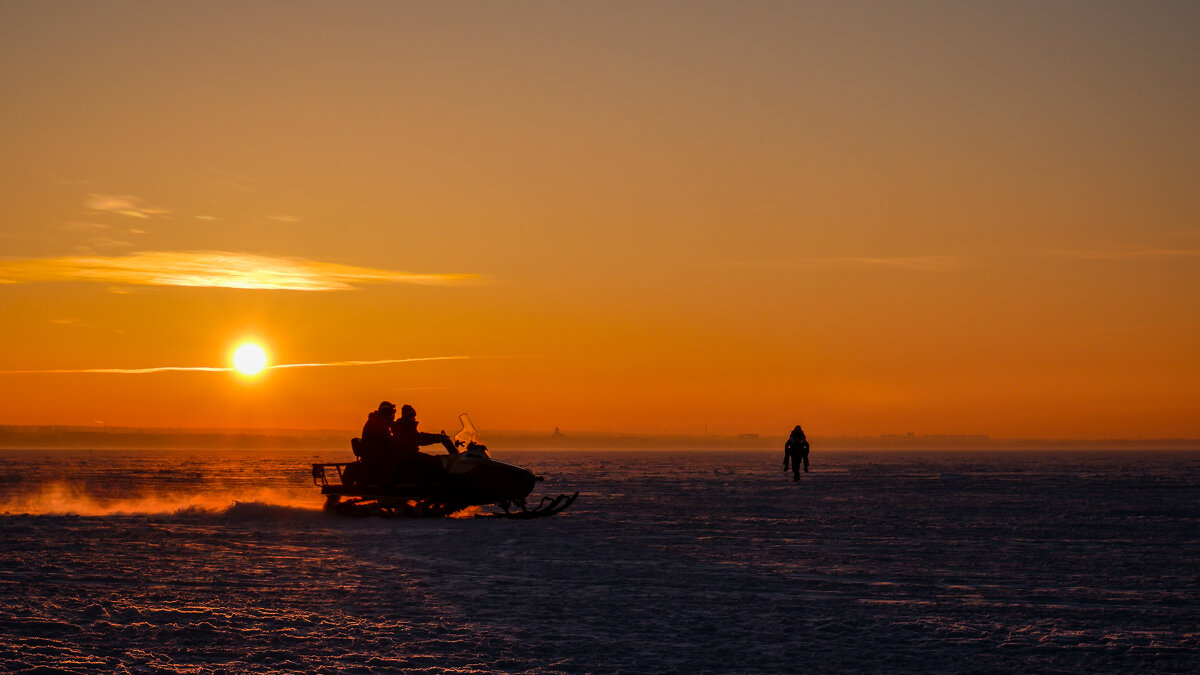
pixel 406 442
pixel 377 432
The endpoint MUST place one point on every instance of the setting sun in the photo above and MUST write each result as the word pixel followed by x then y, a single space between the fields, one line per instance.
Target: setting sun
pixel 249 359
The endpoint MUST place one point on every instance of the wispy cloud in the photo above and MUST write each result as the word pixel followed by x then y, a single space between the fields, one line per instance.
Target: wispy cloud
pixel 233 181
pixel 76 226
pixel 920 263
pixel 1127 254
pixel 213 269
pixel 118 371
pixel 1139 328
pixel 378 362
pixel 220 369
pixel 91 237
pixel 97 243
pixel 125 205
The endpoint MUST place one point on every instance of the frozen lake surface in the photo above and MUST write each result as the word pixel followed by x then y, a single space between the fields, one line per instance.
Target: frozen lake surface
pixel 686 562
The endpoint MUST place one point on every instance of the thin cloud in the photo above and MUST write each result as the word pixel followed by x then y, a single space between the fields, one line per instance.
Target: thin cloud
pixel 338 364
pixel 1128 254
pixel 213 269
pixel 220 369
pixel 76 226
pixel 1138 328
pixel 102 243
pixel 233 181
pixel 125 205
pixel 118 371
pixel 93 237
pixel 921 263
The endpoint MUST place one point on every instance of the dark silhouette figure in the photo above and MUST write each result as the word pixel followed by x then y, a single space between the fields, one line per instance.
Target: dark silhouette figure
pixel 795 450
pixel 377 432
pixel 374 450
pixel 406 443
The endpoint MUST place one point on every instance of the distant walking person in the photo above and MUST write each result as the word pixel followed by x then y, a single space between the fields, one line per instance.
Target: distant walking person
pixel 796 451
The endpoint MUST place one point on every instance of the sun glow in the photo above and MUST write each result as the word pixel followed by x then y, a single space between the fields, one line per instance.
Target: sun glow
pixel 249 359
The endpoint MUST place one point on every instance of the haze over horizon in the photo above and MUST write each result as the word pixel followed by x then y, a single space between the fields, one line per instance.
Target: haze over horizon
pixel 864 217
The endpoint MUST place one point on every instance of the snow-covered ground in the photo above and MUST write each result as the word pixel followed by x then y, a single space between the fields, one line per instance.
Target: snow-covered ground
pixel 668 562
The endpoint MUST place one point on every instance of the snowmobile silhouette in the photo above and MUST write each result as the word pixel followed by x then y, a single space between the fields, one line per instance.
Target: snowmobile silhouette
pixel 471 478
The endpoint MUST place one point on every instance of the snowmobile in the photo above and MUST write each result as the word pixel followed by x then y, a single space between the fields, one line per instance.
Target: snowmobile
pixel 468 477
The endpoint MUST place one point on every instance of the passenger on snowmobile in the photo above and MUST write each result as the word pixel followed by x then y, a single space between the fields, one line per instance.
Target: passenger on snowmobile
pixel 377 432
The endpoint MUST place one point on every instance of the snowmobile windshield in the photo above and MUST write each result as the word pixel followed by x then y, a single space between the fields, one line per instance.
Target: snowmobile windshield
pixel 469 434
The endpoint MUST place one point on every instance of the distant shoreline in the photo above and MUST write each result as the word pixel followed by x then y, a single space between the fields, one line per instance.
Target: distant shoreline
pixel 13 436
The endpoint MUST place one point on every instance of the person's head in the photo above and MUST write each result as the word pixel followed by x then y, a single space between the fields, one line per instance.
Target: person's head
pixel 407 412
pixel 387 408
pixel 797 431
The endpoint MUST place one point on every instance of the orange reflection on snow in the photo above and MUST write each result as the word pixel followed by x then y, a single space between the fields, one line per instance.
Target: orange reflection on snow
pixel 68 499
pixel 469 512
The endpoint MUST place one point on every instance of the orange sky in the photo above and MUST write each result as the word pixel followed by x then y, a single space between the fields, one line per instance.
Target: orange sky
pixel 862 217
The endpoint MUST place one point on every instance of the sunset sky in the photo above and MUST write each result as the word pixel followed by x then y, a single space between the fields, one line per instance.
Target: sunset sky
pixel 863 217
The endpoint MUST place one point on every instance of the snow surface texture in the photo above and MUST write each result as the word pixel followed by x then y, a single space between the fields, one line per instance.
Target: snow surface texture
pixel 668 562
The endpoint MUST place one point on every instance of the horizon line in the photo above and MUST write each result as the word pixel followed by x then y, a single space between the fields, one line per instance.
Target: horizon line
pixel 592 433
